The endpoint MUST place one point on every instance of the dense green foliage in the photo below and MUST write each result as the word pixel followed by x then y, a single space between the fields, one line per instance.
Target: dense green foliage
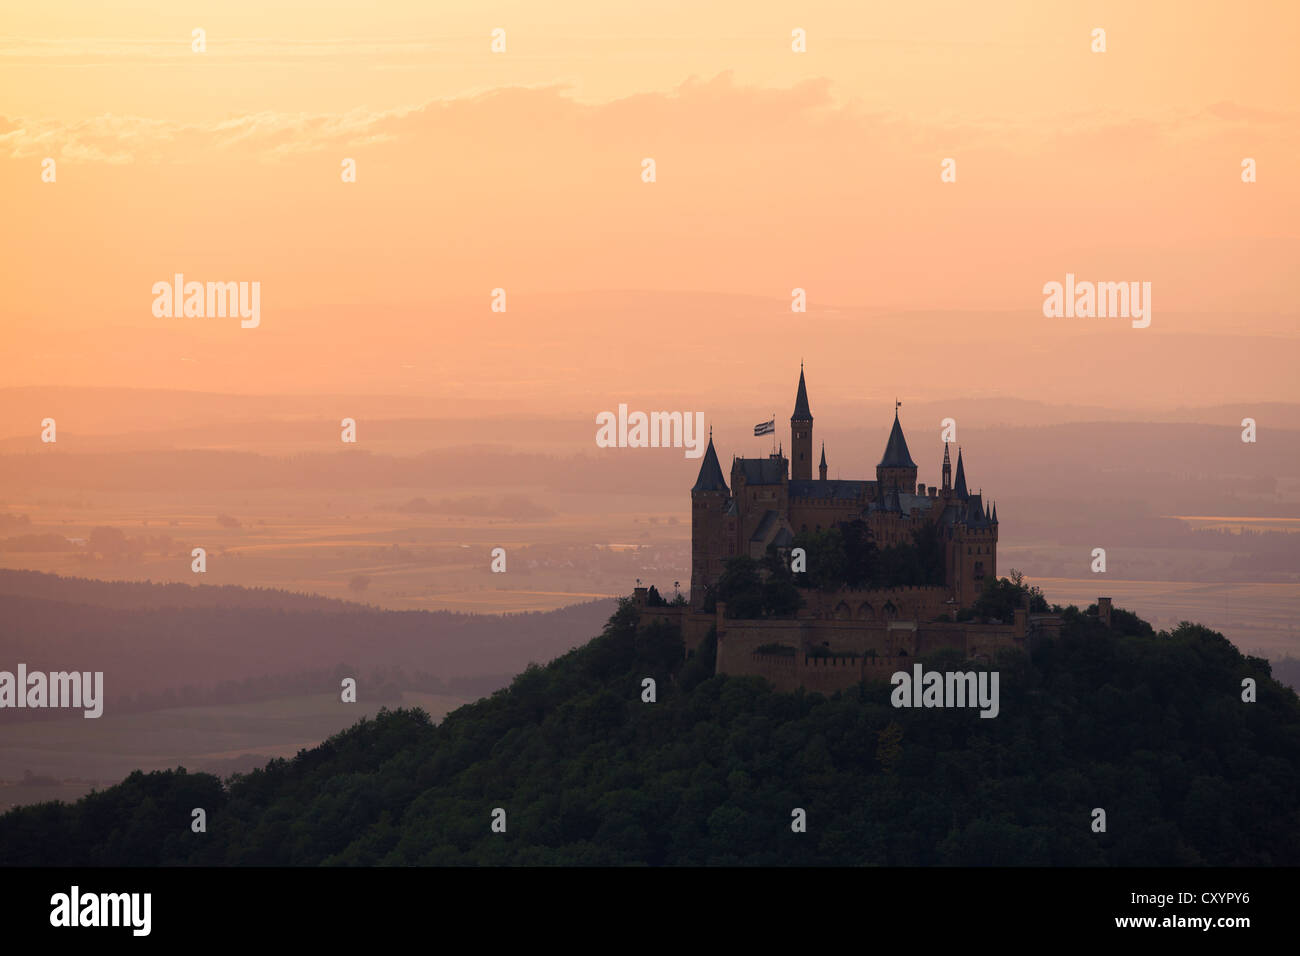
pixel 1001 596
pixel 751 589
pixel 1150 728
pixel 845 555
pixel 842 556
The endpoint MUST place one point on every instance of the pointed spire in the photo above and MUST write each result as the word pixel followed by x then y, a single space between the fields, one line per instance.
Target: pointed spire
pixel 802 413
pixel 995 512
pixel 947 468
pixel 823 454
pixel 710 477
pixel 896 453
pixel 960 488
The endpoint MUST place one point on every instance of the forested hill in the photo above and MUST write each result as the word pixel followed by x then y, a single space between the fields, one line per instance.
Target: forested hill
pixel 152 594
pixel 1149 727
pixel 151 639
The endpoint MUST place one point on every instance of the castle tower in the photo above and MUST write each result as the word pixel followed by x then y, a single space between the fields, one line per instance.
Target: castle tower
pixel 821 469
pixel 973 560
pixel 947 469
pixel 897 471
pixel 801 426
pixel 709 499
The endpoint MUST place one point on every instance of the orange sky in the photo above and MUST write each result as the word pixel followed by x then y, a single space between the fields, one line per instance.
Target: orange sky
pixel 522 170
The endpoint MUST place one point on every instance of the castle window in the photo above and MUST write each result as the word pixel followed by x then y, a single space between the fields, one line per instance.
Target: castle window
pixel 968 549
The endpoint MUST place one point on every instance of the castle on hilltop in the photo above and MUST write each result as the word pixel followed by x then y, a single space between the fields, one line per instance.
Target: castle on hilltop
pixel 840 635
pixel 771 499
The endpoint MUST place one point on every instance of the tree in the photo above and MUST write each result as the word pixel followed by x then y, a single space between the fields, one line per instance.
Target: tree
pixel 889 746
pixel 741 589
pixel 827 560
pixel 781 598
pixel 1000 598
pixel 751 589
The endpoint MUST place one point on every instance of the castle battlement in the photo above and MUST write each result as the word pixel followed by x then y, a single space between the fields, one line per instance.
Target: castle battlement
pixel 827 655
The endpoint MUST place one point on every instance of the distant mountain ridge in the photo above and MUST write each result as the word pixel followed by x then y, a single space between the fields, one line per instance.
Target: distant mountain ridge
pixel 148 637
pixel 145 594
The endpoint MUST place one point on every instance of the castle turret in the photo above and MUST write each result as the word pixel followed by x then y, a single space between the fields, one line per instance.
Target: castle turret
pixel 897 471
pixel 709 499
pixel 947 469
pixel 821 469
pixel 801 426
pixel 974 543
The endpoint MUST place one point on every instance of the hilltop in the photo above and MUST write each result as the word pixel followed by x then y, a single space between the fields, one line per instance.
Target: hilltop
pixel 1149 726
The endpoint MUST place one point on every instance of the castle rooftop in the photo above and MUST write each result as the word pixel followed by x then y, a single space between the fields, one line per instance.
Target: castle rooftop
pixel 896 453
pixel 710 477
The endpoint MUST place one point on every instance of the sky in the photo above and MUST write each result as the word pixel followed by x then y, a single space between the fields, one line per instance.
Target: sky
pixel 523 170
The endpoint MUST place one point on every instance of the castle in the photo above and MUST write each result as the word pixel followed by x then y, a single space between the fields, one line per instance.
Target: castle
pixel 772 498
pixel 843 636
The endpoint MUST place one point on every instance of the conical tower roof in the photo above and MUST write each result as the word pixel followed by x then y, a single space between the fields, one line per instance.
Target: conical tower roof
pixel 710 478
pixel 802 413
pixel 959 485
pixel 896 453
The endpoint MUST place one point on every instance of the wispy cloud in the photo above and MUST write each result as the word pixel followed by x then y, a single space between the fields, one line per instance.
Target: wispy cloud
pixel 715 111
